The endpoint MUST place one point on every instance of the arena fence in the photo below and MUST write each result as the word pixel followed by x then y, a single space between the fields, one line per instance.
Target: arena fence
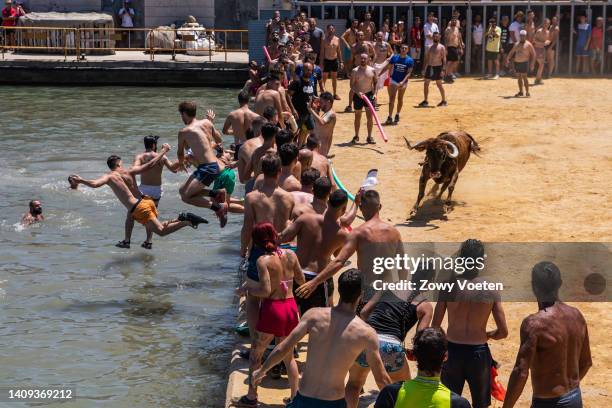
pixel 567 11
pixel 96 40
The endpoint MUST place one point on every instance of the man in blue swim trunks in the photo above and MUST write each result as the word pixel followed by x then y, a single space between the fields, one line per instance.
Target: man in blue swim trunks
pixel 201 136
pixel 400 67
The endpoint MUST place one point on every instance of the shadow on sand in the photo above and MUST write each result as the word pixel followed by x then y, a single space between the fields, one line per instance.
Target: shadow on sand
pixel 360 145
pixel 431 209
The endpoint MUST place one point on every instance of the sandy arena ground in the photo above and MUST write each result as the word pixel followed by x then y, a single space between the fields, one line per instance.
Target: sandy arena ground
pixel 544 175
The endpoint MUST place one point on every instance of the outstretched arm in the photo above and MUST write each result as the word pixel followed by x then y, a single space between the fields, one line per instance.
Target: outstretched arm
pixel 347 219
pixel 99 182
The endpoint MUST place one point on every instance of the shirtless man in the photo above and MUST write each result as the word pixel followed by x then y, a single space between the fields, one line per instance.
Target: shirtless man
pixel 454 47
pixel 363 83
pixel 288 154
pixel 540 44
pixel 142 209
pixel 554 347
pixel 469 358
pixel 34 213
pixel 530 26
pixel 245 154
pixel 319 236
pixel 198 135
pixel 524 61
pixel 368 27
pixel 382 51
pixel 268 204
pixel 553 36
pixel 435 61
pixel 336 336
pixel 150 186
pixel 319 161
pixel 348 38
pixel 332 58
pixel 321 190
pixel 269 95
pixel 360 47
pixel 372 239
pixel 307 180
pixel 324 121
pixel 268 133
pixel 239 120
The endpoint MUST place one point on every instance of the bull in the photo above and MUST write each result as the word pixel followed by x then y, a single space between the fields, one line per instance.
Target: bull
pixel 446 155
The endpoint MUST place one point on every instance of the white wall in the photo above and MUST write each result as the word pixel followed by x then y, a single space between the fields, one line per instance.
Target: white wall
pixel 164 12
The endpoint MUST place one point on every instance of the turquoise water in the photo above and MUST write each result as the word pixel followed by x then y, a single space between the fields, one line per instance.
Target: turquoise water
pixel 128 328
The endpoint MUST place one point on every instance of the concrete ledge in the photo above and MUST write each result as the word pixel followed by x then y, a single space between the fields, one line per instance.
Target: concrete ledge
pixel 150 73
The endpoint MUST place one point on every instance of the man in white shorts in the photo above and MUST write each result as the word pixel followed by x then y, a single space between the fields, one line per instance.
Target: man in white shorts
pixel 382 51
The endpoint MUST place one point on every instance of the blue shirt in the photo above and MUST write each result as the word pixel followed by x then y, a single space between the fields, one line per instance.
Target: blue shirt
pixel 401 67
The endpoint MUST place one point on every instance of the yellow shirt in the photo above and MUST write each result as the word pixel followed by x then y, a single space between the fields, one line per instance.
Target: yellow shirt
pixel 493 43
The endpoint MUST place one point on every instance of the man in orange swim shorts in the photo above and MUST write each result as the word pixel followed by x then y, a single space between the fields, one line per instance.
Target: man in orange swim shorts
pixel 123 183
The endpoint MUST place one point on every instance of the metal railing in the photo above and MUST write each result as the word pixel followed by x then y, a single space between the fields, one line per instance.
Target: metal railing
pixel 100 40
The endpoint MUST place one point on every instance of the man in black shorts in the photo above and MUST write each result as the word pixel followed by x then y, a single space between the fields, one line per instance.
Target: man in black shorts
pixel 332 57
pixel 302 91
pixel 435 61
pixel 524 61
pixel 363 83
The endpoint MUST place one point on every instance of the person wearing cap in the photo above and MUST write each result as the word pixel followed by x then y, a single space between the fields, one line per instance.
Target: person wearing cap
pixel 150 186
pixel 524 61
pixel 10 15
pixel 554 347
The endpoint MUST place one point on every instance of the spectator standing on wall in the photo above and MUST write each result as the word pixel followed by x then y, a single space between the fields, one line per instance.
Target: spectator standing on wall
pixel 127 14
pixel 10 15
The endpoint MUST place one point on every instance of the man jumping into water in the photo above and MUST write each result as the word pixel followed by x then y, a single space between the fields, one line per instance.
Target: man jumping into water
pixel 142 209
pixel 150 185
pixel 198 136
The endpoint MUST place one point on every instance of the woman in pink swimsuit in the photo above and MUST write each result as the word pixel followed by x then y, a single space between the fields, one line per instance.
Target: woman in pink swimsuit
pixel 278 314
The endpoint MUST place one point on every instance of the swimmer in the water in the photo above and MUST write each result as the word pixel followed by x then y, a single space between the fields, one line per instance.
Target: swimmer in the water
pixel 123 183
pixel 34 213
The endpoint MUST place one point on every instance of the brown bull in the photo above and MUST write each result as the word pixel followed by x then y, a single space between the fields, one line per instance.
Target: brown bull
pixel 446 155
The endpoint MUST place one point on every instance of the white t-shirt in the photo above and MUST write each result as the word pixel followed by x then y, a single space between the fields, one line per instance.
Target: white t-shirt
pixel 428 30
pixel 126 18
pixel 515 28
pixel 477 33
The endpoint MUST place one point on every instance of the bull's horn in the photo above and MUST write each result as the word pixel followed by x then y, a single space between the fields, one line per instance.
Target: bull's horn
pixel 413 146
pixel 455 151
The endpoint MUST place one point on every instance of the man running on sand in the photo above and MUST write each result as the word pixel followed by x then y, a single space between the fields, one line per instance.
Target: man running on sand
pixel 363 83
pixel 332 58
pixel 372 239
pixel 268 204
pixel 400 67
pixel 554 347
pixel 319 236
pixel 142 209
pixel 150 185
pixel 239 120
pixel 469 357
pixel 324 121
pixel 198 135
pixel 336 336
pixel 435 61
pixel 524 61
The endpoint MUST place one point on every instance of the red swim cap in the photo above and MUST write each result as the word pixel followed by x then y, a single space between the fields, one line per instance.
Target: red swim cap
pixel 265 236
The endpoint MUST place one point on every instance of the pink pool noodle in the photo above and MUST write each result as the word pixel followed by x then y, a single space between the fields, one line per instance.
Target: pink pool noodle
pixel 380 128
